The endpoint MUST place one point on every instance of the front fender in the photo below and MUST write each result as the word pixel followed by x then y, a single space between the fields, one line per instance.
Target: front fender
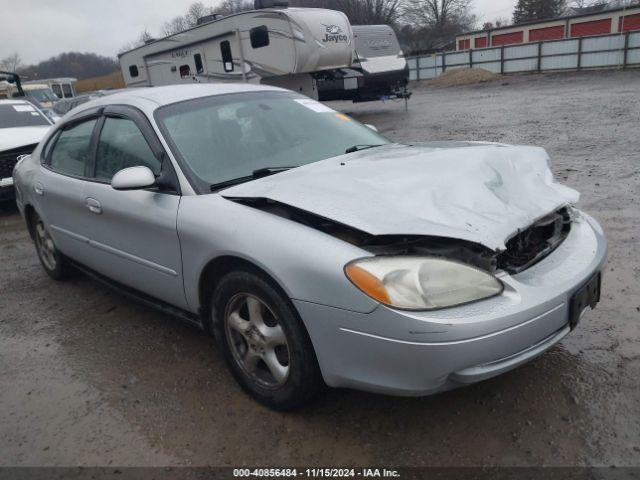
pixel 23 174
pixel 306 263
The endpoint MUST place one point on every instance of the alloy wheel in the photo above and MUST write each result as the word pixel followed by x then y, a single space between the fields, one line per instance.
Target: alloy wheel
pixel 45 245
pixel 257 341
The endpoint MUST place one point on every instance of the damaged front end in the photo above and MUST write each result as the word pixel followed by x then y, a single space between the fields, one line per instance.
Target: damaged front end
pixel 523 250
pixel 531 245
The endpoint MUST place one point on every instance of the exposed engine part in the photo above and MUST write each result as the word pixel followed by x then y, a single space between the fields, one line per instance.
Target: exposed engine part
pixel 461 250
pixel 536 242
pixel 523 250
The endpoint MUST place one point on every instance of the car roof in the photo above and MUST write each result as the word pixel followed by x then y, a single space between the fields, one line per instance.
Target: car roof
pixel 153 97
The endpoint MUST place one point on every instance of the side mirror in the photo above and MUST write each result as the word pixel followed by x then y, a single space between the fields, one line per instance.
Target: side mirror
pixel 133 178
pixel 372 127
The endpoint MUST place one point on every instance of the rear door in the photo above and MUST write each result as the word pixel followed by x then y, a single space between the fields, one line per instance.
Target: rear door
pixel 133 233
pixel 59 186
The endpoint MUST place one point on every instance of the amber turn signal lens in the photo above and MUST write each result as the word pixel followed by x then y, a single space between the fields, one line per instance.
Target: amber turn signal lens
pixel 368 283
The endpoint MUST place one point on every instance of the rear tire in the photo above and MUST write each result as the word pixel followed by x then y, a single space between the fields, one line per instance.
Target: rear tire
pixel 264 341
pixel 53 261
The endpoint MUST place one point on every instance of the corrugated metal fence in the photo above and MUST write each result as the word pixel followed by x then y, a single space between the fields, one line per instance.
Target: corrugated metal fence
pixel 604 51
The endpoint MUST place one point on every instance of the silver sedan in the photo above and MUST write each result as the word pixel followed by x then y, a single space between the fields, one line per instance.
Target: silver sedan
pixel 312 249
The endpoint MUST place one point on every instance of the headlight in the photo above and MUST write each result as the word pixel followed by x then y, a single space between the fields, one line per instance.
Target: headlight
pixel 421 283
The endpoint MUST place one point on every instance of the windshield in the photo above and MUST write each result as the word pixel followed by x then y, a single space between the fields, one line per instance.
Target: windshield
pixel 228 137
pixel 21 115
pixel 42 95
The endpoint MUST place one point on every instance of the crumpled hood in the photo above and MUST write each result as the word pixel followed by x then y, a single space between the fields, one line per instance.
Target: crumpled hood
pixel 483 193
pixel 11 138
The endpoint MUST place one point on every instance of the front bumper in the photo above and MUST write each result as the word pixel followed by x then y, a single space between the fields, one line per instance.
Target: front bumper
pixel 419 353
pixel 6 189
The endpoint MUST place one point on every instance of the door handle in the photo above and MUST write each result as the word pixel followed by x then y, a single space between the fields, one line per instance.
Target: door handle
pixel 94 206
pixel 38 188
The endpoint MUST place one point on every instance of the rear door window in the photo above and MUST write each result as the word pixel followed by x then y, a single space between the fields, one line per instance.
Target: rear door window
pixel 121 146
pixel 72 151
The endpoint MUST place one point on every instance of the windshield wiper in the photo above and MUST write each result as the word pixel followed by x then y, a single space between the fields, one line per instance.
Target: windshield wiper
pixel 266 171
pixel 357 148
pixel 229 183
pixel 259 173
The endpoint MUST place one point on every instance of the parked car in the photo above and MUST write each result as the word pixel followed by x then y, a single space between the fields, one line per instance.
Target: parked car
pixel 62 87
pixel 11 87
pixel 48 112
pixel 65 106
pixel 22 126
pixel 313 249
pixel 41 92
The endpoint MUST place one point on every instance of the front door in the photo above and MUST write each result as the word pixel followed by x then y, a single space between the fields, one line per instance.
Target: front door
pixel 133 233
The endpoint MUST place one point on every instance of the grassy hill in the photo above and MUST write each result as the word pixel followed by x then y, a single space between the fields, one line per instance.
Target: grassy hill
pixel 105 82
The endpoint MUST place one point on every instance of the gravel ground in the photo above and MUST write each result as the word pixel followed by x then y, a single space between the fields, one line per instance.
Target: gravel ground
pixel 89 378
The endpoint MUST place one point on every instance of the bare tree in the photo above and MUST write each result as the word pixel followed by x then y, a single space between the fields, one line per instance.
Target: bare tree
pixel 229 7
pixel 173 26
pixel 624 3
pixel 144 37
pixel 434 24
pixel 368 12
pixel 377 11
pixel 497 23
pixel 11 63
pixel 360 12
pixel 194 12
pixel 587 6
pixel 581 3
pixel 190 19
pixel 437 13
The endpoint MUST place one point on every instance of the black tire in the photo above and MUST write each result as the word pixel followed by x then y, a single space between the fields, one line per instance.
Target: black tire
pixel 304 380
pixel 52 260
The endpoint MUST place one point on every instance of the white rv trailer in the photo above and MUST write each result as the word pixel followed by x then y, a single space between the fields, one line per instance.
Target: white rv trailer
pixel 62 87
pixel 278 46
pixel 379 71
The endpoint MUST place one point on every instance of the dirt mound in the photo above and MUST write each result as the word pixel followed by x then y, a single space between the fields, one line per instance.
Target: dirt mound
pixel 463 76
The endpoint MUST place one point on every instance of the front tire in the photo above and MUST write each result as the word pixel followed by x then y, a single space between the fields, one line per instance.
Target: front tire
pixel 264 342
pixel 53 261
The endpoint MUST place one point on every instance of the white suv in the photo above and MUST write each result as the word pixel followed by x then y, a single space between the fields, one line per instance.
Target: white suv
pixel 22 126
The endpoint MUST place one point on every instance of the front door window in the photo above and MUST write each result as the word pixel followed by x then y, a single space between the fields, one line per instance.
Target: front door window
pixel 121 146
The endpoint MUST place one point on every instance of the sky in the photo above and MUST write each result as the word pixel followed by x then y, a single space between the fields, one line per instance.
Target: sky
pixel 40 29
